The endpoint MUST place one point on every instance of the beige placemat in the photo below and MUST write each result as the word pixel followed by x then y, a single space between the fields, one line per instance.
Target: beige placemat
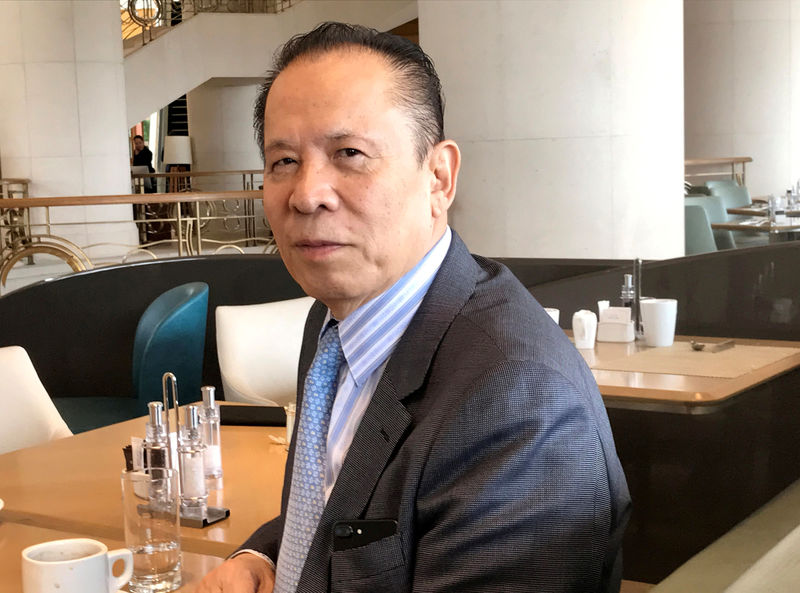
pixel 680 359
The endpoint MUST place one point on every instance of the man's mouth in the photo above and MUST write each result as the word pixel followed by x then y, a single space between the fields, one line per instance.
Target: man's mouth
pixel 317 247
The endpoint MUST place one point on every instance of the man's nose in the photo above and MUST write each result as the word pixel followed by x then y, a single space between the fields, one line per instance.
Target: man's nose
pixel 314 189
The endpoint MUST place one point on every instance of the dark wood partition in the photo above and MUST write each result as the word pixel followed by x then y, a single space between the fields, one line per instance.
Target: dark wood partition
pixel 694 477
pixel 746 293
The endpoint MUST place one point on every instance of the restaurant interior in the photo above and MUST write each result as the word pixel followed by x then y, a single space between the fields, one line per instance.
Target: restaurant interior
pixel 614 152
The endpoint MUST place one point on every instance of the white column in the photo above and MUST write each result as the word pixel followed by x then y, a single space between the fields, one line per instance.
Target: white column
pixel 221 127
pixel 569 114
pixel 62 110
pixel 743 86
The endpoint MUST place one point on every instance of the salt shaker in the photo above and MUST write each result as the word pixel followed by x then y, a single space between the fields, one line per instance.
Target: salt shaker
pixel 209 429
pixel 194 494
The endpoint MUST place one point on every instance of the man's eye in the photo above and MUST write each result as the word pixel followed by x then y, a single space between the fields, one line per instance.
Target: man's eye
pixel 350 152
pixel 283 162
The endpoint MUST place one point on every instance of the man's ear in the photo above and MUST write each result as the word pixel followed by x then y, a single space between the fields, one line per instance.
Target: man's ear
pixel 444 162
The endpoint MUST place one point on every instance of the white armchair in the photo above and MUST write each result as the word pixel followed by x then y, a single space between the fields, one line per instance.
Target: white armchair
pixel 29 417
pixel 258 348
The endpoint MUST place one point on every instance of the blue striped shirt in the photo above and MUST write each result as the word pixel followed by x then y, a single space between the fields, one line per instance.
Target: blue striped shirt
pixel 369 335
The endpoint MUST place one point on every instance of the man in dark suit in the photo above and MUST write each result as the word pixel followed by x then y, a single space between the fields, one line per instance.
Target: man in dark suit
pixel 467 448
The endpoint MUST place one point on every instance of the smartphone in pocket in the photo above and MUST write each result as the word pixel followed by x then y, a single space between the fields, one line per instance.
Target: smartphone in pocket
pixel 354 534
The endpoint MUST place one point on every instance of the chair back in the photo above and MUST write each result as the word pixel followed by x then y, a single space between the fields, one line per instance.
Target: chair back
pixel 258 347
pixel 698 237
pixel 29 417
pixel 730 193
pixel 715 212
pixel 171 337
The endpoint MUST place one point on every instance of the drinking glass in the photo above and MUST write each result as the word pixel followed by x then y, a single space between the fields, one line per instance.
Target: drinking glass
pixel 152 529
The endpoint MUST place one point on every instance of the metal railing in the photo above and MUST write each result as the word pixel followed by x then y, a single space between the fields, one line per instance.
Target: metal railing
pixel 145 20
pixel 183 222
pixel 734 167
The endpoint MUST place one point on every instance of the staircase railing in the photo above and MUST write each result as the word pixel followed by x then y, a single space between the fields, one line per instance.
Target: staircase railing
pixel 145 20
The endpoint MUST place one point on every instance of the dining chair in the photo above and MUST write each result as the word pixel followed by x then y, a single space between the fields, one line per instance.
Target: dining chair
pixel 258 347
pixel 715 212
pixel 698 236
pixel 733 195
pixel 170 337
pixel 730 193
pixel 29 417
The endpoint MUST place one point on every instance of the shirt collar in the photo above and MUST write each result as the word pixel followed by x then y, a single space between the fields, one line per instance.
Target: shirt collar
pixel 370 333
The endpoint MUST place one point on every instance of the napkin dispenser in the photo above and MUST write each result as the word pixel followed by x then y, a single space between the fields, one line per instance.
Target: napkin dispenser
pixel 615 325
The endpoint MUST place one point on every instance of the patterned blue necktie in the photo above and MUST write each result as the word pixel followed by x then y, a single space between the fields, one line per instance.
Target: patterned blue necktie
pixel 307 494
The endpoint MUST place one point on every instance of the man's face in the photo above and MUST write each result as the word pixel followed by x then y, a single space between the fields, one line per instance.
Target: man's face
pixel 351 208
pixel 138 144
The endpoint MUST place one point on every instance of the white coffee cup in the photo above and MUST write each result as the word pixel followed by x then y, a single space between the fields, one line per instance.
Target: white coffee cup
pixel 553 313
pixel 658 321
pixel 584 328
pixel 74 565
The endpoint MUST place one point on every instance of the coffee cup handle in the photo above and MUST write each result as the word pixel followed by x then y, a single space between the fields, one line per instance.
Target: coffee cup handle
pixel 117 583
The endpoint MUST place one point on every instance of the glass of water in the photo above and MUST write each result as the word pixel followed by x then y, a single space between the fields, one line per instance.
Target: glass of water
pixel 151 506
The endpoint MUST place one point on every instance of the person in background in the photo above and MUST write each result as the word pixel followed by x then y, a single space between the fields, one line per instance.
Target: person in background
pixel 449 436
pixel 142 157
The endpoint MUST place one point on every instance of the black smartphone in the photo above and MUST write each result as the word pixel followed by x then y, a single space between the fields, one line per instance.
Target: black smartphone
pixel 252 415
pixel 354 534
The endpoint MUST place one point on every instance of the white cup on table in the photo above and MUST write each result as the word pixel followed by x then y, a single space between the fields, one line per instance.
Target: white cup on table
pixel 584 329
pixel 78 564
pixel 553 313
pixel 658 321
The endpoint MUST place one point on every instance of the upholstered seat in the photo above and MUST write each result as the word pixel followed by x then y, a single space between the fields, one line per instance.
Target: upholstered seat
pixel 731 193
pixel 29 417
pixel 698 237
pixel 171 337
pixel 258 347
pixel 715 212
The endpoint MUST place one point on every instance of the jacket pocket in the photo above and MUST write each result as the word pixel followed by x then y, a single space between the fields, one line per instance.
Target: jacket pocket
pixel 378 566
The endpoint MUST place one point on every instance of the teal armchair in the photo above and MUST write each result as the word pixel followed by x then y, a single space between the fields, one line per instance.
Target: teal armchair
pixel 171 337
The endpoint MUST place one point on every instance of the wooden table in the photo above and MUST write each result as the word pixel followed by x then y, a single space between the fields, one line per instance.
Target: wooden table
pixel 15 537
pixel 73 484
pixel 784 231
pixel 760 209
pixel 694 474
pixel 691 394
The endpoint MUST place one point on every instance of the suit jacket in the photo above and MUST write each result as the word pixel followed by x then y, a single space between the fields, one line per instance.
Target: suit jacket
pixel 487 441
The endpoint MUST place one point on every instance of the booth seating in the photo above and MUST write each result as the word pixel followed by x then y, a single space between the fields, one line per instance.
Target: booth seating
pixel 170 337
